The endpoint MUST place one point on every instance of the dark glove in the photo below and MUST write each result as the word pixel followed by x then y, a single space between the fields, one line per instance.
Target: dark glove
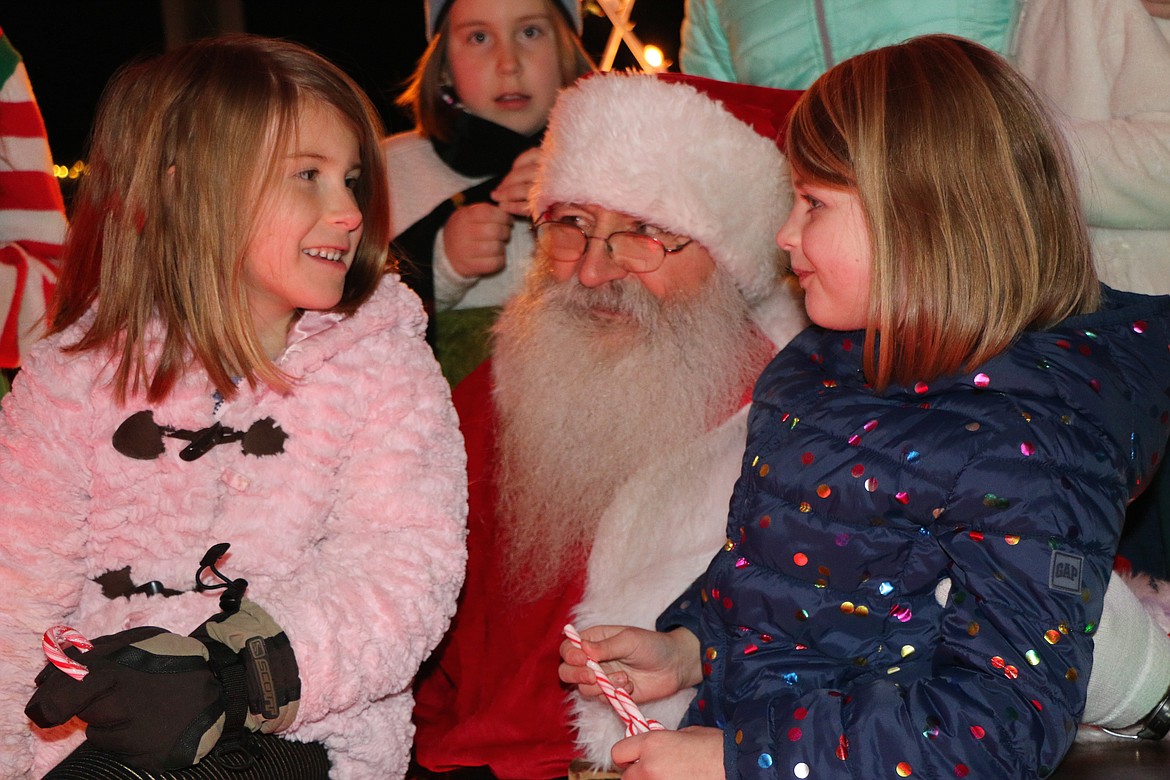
pixel 150 697
pixel 256 664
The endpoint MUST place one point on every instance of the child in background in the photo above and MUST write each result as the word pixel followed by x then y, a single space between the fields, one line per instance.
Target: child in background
pixel 228 361
pixel 481 96
pixel 936 472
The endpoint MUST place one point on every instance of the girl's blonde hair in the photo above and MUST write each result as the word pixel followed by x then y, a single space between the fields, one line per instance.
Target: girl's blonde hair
pixel 423 95
pixel 973 213
pixel 183 149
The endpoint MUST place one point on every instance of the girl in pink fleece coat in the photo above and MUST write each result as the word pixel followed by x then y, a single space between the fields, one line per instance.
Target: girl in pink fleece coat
pixel 229 362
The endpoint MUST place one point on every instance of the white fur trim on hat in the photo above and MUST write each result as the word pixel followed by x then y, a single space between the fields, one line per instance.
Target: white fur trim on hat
pixel 436 8
pixel 668 154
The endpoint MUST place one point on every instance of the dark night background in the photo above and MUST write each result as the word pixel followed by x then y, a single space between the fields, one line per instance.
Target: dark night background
pixel 71 47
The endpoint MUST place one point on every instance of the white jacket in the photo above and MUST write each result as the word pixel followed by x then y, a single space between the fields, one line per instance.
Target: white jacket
pixel 420 181
pixel 1105 67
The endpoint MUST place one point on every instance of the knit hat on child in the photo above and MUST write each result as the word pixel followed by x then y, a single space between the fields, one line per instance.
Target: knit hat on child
pixel 437 9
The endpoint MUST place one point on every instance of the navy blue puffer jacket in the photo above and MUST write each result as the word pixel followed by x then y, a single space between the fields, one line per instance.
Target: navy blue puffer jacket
pixel 912 580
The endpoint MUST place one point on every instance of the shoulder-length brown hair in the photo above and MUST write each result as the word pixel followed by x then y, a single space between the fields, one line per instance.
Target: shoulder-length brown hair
pixel 184 147
pixel 973 213
pixel 423 93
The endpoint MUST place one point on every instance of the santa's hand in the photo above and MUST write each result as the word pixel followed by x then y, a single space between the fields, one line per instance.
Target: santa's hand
pixel 149 697
pixel 648 665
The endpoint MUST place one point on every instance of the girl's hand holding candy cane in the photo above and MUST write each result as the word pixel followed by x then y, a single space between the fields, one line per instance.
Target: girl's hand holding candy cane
pixel 627 710
pixel 695 753
pixel 647 665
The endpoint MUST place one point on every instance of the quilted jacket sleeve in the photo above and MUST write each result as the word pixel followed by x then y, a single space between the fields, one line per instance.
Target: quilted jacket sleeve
pixel 704 50
pixel 685 611
pixel 996 692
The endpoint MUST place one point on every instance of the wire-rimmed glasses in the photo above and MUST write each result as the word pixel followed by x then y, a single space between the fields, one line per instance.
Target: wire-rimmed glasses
pixel 566 242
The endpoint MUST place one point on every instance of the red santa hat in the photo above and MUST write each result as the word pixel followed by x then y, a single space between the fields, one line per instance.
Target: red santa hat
pixel 695 156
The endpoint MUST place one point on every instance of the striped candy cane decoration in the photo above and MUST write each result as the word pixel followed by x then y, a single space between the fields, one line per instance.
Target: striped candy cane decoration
pixel 621 702
pixel 54 642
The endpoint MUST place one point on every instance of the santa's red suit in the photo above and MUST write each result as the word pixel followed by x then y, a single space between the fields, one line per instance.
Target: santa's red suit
pixel 490 695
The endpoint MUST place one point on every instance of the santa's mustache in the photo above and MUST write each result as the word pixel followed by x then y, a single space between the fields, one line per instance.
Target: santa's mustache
pixel 621 296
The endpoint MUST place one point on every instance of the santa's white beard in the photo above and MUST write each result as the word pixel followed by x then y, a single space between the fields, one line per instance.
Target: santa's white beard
pixel 584 400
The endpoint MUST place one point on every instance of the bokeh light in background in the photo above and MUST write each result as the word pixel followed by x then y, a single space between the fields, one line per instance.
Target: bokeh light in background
pixel 654 56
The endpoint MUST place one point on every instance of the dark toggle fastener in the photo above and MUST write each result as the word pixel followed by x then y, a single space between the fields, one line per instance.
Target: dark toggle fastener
pixel 141 438
pixel 206 439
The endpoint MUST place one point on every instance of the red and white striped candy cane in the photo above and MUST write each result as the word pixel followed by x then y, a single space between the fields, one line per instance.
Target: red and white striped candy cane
pixel 54 642
pixel 621 702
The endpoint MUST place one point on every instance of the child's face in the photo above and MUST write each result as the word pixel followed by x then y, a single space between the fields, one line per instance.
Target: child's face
pixel 828 239
pixel 502 56
pixel 308 226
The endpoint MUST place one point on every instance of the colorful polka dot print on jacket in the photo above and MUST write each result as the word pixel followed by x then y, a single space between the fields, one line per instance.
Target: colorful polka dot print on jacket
pixel 912 579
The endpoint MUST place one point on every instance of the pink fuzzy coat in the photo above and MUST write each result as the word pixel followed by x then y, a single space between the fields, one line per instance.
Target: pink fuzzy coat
pixel 352 538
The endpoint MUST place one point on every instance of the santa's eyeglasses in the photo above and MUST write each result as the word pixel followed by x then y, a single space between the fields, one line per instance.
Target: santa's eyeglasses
pixel 566 242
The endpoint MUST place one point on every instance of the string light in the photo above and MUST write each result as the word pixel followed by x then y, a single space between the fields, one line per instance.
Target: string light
pixel 654 57
pixel 76 171
pixel 617 12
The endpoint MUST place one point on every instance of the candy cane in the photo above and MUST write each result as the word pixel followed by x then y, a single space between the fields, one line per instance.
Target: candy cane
pixel 54 642
pixel 621 702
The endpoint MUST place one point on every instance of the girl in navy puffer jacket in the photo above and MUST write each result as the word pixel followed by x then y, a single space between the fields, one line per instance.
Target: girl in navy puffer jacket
pixel 936 473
